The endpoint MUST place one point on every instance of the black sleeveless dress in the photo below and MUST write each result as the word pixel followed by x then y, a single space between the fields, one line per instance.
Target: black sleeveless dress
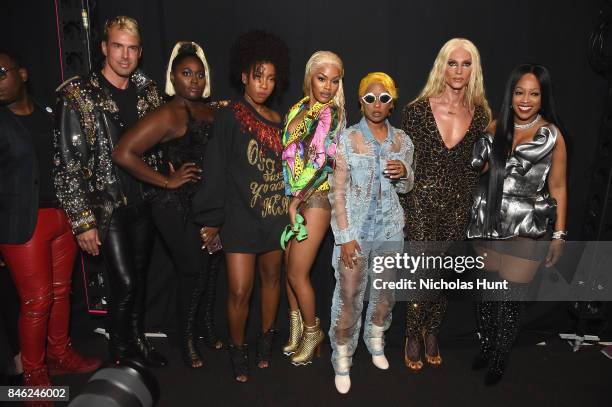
pixel 188 148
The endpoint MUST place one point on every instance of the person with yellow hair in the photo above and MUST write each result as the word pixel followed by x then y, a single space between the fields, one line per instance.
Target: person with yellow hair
pixel 444 121
pixel 373 165
pixel 309 146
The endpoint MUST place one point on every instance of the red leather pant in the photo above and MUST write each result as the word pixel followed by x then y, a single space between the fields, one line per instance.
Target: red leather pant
pixel 42 269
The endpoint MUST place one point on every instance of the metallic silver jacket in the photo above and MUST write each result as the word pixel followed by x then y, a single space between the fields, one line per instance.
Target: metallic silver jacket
pixel 527 209
pixel 87 128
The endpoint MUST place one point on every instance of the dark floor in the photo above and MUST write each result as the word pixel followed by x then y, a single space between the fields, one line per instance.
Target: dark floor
pixel 550 375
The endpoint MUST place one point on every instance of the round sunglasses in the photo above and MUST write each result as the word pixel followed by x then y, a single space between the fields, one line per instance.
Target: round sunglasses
pixel 370 98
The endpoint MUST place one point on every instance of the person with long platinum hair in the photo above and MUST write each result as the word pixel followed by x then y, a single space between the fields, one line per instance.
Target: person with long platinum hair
pixel 443 121
pixel 309 147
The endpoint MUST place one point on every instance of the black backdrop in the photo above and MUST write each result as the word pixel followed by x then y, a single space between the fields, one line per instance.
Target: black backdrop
pixel 400 38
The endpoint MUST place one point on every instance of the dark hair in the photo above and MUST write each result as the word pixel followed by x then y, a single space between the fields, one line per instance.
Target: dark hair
pixel 504 135
pixel 13 56
pixel 185 51
pixel 255 47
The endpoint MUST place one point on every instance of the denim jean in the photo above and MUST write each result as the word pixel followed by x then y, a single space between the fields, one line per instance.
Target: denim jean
pixel 349 294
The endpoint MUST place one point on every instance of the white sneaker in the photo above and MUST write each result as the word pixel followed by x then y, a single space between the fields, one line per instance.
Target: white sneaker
pixel 343 383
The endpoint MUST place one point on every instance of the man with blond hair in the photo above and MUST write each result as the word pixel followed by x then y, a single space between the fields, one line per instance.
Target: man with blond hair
pixel 107 207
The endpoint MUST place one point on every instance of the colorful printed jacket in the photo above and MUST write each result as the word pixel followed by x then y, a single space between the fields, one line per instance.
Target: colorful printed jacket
pixel 309 151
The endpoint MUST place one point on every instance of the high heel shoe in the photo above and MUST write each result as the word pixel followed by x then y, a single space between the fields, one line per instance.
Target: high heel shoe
pixel 296 328
pixel 434 360
pixel 206 323
pixel 191 354
pixel 264 347
pixel 310 344
pixel 239 358
pixel 414 365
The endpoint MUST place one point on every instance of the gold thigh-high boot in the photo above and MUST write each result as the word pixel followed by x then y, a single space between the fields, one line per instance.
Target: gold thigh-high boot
pixel 310 344
pixel 296 328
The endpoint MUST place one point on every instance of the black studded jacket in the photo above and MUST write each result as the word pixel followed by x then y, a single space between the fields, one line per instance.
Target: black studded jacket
pixel 87 129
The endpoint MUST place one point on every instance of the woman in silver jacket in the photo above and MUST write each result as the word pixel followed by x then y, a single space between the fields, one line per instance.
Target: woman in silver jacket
pixel 520 205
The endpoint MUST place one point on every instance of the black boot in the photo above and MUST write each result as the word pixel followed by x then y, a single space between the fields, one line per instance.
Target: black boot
pixel 206 315
pixel 147 353
pixel 508 326
pixel 239 358
pixel 486 323
pixel 265 341
pixel 120 346
pixel 142 347
pixel 191 354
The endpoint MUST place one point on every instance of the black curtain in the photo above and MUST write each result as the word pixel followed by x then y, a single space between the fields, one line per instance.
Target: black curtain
pixel 400 38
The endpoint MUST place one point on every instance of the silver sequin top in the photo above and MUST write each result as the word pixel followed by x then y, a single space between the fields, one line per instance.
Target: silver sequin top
pixel 527 209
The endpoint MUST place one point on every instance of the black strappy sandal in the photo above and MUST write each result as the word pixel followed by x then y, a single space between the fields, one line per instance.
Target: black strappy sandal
pixel 265 341
pixel 239 357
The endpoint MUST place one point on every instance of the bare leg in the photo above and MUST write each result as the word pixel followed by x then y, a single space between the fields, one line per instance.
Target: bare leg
pixel 240 276
pixel 301 256
pixel 268 265
pixel 291 298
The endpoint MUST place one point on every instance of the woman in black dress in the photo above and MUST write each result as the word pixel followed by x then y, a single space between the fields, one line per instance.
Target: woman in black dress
pixel 243 192
pixel 181 130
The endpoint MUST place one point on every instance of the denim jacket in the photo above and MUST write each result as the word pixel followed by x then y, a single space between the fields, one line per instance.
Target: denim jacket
pixel 352 180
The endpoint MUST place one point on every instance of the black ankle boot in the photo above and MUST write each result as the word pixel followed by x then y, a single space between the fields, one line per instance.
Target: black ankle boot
pixel 147 353
pixel 120 347
pixel 143 349
pixel 206 319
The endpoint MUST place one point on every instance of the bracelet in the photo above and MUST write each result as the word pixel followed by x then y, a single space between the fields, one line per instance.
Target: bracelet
pixel 166 183
pixel 559 234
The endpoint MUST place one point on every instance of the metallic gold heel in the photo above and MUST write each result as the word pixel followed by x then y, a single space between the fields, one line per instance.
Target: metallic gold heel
pixel 415 366
pixel 432 360
pixel 310 344
pixel 296 328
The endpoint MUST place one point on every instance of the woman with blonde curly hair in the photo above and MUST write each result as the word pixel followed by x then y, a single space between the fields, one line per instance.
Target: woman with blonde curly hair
pixel 443 122
pixel 308 155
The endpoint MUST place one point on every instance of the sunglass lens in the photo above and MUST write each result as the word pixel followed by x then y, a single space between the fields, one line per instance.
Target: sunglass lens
pixel 385 98
pixel 369 98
